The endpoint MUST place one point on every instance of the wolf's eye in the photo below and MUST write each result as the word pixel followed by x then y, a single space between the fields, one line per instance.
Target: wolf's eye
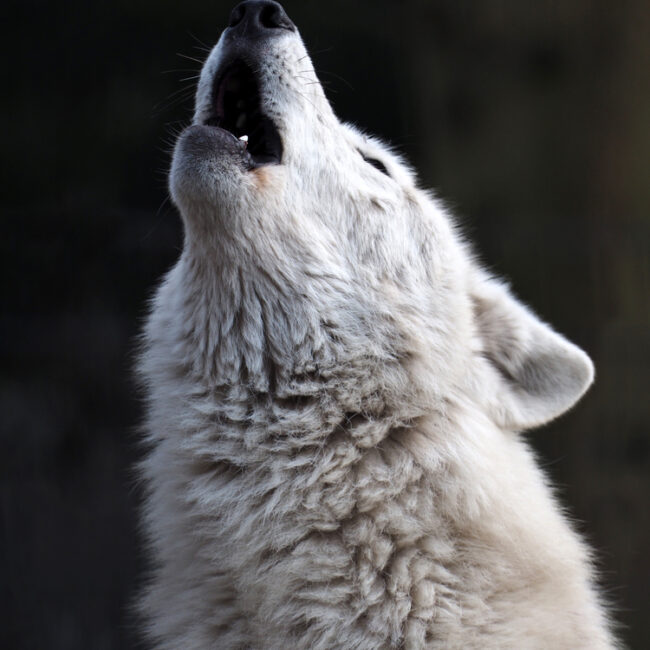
pixel 377 164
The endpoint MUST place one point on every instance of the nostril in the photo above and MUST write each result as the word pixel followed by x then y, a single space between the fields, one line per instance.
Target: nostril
pixel 273 17
pixel 257 17
pixel 236 15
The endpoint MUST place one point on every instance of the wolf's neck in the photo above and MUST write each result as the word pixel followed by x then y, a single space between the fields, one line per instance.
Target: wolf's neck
pixel 235 324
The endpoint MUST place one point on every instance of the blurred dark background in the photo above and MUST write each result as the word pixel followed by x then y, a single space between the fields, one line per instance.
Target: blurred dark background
pixel 531 119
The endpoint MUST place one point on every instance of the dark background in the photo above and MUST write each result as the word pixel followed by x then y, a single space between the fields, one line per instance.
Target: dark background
pixel 532 120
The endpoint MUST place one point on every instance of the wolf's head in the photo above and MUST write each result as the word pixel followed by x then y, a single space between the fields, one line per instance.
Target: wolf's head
pixel 266 141
pixel 354 261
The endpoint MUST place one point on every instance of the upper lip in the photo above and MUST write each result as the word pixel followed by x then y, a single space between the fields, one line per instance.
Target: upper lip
pixel 236 107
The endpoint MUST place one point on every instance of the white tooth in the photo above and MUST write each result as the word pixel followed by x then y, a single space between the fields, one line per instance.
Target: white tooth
pixel 241 120
pixel 244 139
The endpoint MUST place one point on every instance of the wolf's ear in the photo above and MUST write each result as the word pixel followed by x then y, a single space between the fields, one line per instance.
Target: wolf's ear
pixel 538 373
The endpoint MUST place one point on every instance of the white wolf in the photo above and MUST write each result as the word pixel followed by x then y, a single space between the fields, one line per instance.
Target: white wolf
pixel 335 391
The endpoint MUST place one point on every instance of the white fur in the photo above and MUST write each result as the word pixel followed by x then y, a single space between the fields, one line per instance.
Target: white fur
pixel 335 394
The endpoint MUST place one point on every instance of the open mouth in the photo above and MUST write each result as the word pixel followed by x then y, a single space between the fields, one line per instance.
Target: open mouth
pixel 236 107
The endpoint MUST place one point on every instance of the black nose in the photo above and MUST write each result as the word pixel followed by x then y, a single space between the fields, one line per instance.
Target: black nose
pixel 259 18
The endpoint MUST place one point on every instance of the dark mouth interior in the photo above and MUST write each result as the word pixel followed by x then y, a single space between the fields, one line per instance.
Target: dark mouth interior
pixel 236 108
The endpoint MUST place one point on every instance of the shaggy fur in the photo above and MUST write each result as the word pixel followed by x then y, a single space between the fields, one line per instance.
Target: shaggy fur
pixel 335 395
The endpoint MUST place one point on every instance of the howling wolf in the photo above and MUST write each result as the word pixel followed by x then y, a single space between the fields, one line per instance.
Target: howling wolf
pixel 336 392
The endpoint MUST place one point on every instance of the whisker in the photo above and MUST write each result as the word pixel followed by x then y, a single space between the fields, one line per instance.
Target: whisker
pixel 183 89
pixel 158 216
pixel 318 111
pixel 327 49
pixel 339 77
pixel 172 104
pixel 175 98
pixel 199 41
pixel 180 70
pixel 190 58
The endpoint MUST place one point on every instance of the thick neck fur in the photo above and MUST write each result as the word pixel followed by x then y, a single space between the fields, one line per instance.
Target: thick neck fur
pixel 243 326
pixel 235 328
